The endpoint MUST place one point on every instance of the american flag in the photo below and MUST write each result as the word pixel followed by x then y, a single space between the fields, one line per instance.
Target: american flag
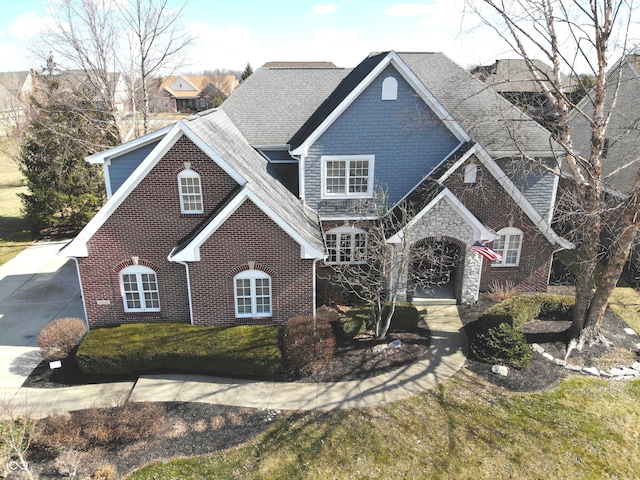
pixel 486 252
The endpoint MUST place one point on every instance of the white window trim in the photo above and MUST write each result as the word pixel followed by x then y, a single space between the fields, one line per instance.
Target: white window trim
pixel 138 270
pixel 508 232
pixel 252 275
pixel 347 159
pixel 351 232
pixel 189 174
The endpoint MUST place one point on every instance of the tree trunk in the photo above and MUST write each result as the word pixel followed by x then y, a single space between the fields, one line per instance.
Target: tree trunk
pixel 387 323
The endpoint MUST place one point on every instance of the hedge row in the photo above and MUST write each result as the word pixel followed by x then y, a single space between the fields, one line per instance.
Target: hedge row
pixel 251 350
pixel 497 337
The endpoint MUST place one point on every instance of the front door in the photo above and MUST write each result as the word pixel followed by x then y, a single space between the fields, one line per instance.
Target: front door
pixel 434 269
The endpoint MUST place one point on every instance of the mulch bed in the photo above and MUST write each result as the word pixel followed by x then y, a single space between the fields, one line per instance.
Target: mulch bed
pixel 544 374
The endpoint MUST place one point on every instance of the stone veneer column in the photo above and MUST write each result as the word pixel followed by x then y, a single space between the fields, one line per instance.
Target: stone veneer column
pixel 471 277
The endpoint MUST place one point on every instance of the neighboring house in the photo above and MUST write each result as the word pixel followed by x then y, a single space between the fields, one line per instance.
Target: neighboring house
pixel 621 156
pixel 93 86
pixel 15 88
pixel 193 93
pixel 226 216
pixel 513 79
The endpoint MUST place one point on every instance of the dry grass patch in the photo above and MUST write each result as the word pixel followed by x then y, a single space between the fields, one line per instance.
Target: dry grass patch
pixel 13 235
pixel 465 428
pixel 625 302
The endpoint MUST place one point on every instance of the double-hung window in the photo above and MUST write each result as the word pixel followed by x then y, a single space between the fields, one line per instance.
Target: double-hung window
pixel 346 245
pixel 508 244
pixel 139 287
pixel 190 192
pixel 252 293
pixel 347 176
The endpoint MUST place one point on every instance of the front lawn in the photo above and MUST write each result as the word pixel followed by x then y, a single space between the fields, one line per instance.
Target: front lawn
pixel 465 428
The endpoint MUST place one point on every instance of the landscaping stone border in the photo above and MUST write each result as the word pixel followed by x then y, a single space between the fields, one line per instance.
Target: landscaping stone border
pixel 619 373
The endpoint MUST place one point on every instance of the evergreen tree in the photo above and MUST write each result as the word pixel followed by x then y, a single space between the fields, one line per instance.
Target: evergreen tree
pixel 246 73
pixel 64 190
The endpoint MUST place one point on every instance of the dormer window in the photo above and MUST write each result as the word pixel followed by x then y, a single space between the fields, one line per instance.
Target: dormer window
pixel 389 89
pixel 190 192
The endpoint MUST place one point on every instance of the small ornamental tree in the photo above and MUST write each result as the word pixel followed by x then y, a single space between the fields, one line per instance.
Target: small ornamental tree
pixel 386 273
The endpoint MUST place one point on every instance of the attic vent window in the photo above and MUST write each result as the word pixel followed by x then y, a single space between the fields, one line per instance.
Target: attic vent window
pixel 471 173
pixel 389 89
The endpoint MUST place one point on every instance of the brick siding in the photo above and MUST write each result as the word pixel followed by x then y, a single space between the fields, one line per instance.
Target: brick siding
pixel 249 235
pixel 148 224
pixel 489 202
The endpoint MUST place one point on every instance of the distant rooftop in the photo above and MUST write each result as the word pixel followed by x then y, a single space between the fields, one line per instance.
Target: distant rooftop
pixel 299 65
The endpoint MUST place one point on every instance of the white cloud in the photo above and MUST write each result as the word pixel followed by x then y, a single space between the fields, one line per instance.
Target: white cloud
pixel 27 25
pixel 410 10
pixel 325 9
pixel 229 47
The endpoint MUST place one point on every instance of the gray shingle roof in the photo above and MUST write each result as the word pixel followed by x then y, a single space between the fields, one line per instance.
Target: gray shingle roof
pixel 270 106
pixel 486 116
pixel 216 129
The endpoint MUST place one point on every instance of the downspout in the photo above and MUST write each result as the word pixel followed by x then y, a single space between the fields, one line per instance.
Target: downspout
pixel 84 304
pixel 315 300
pixel 186 266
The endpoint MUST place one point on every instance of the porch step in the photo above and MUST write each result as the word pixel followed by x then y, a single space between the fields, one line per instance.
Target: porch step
pixel 434 301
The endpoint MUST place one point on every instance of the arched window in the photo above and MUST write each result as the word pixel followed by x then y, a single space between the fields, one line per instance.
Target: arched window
pixel 346 245
pixel 139 287
pixel 508 244
pixel 389 89
pixel 190 192
pixel 252 294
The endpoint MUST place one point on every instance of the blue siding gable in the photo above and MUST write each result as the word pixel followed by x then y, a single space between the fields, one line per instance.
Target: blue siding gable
pixel 122 166
pixel 406 137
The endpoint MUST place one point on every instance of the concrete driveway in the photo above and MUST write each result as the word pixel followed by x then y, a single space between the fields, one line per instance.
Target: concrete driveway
pixel 36 287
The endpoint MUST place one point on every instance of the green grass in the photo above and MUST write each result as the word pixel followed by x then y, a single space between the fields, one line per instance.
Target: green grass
pixel 464 429
pixel 14 236
pixel 625 302
pixel 145 347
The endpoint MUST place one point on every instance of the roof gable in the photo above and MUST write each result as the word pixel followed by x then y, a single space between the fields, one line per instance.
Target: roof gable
pixel 352 86
pixel 78 246
pixel 480 232
pixel 218 138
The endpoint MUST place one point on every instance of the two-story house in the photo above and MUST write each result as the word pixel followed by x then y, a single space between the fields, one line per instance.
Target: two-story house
pixel 227 216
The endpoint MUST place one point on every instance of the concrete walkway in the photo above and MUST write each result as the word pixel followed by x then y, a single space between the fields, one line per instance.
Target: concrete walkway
pixel 444 358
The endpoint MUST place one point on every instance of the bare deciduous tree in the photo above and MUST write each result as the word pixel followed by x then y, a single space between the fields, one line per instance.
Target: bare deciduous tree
pixel 387 269
pixel 572 35
pixel 159 43
pixel 83 38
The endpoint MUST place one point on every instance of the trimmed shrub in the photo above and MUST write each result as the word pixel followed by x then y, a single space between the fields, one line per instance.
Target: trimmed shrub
pixel 95 427
pixel 104 472
pixel 360 320
pixel 308 347
pixel 243 350
pixel 497 337
pixel 60 337
pixel 503 344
